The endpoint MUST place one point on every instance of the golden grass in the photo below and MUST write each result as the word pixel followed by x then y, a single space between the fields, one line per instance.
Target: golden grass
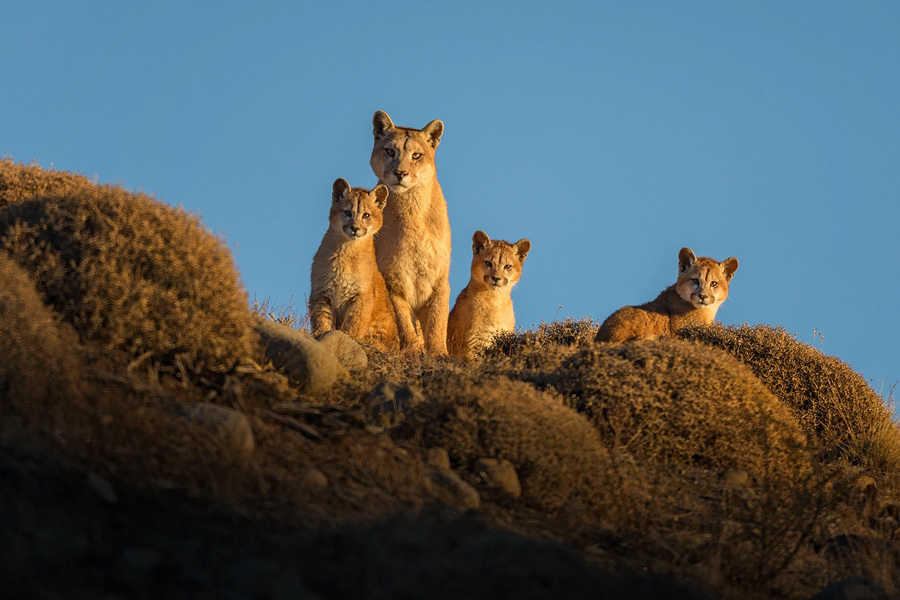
pixel 127 271
pixel 40 361
pixel 558 456
pixel 671 401
pixel 571 332
pixel 833 403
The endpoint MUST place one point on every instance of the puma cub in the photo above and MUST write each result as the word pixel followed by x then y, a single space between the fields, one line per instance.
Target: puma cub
pixel 413 246
pixel 348 291
pixel 485 307
pixel 701 288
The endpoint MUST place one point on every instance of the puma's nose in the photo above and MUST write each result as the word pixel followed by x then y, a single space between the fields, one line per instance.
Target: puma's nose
pixel 495 278
pixel 401 174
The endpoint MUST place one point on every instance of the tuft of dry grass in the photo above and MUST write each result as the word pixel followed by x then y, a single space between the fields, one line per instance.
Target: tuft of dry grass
pixel 284 314
pixel 672 401
pixel 571 332
pixel 20 182
pixel 127 271
pixel 834 404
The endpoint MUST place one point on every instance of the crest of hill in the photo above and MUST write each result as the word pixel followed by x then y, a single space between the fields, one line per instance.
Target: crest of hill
pixel 571 332
pixel 556 452
pixel 130 273
pixel 833 403
pixel 672 401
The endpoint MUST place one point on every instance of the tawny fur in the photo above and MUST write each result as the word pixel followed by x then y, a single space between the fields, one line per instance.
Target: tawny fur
pixel 702 287
pixel 484 308
pixel 348 291
pixel 413 247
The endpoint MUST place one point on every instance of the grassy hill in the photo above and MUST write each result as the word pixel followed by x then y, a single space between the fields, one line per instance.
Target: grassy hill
pixel 728 462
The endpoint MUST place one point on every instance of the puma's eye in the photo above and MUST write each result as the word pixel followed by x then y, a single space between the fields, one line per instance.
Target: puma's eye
pixel 695 281
pixel 713 284
pixel 417 155
pixel 365 215
pixel 389 152
pixel 507 267
pixel 487 263
pixel 347 213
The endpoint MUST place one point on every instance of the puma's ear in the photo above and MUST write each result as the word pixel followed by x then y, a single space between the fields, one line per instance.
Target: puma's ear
pixel 339 189
pixel 434 131
pixel 380 193
pixel 523 246
pixel 686 259
pixel 381 124
pixel 729 265
pixel 480 240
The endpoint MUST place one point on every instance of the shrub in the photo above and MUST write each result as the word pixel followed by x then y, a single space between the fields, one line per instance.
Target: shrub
pixel 570 332
pixel 39 357
pixel 21 182
pixel 672 401
pixel 833 403
pixel 556 452
pixel 127 271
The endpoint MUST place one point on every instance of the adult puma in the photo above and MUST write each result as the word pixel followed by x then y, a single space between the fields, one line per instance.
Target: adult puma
pixel 348 291
pixel 413 246
pixel 484 308
pixel 701 287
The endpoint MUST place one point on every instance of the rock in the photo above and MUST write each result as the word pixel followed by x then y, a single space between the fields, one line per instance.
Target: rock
pixel 347 350
pixel 449 485
pixel 313 478
pixel 643 586
pixel 134 566
pixel 229 426
pixel 309 363
pixel 735 478
pixel 499 474
pixel 854 588
pixel 267 578
pixel 103 487
pixel 390 402
pixel 138 559
pixel 438 459
pixel 15 476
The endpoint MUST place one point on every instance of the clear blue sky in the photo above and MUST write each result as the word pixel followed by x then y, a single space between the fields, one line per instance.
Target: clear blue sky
pixel 610 134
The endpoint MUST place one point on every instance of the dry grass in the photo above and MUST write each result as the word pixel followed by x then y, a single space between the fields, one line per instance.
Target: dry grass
pixel 40 361
pixel 21 182
pixel 127 271
pixel 571 332
pixel 671 401
pixel 833 403
pixel 557 454
pixel 284 314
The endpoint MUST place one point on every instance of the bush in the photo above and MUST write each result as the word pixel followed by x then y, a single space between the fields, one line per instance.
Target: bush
pixel 672 401
pixel 833 403
pixel 21 182
pixel 39 357
pixel 570 332
pixel 556 452
pixel 127 271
